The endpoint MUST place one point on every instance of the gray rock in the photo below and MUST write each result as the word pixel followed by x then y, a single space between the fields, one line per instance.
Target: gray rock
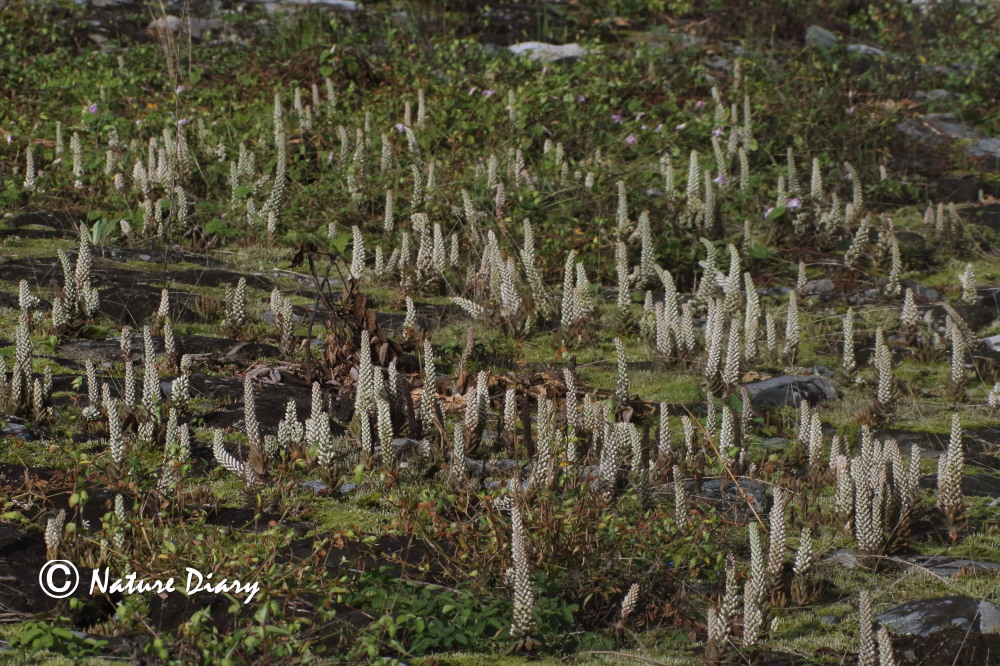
pixel 865 51
pixel 924 617
pixel 821 38
pixel 542 52
pixel 977 485
pixel 724 494
pixel 947 567
pixel 316 487
pixel 168 23
pixel 992 343
pixel 829 620
pixel 343 5
pixel 775 291
pixel 844 557
pixel 986 151
pixel 790 390
pixel 936 95
pixel 18 430
pixel 823 288
pixel 776 443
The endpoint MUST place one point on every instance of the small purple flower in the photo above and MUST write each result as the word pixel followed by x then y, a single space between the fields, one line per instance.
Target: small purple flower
pixel 644 128
pixel 639 115
pixel 183 121
pixel 473 89
pixel 488 92
pixel 617 117
pixel 793 204
pixel 222 216
pixel 400 127
pixel 681 126
pixel 850 110
pixel 180 89
pixel 767 212
pixel 630 139
pixel 718 131
pixel 92 108
pixel 659 128
pixel 699 104
pixel 545 69
pixel 721 179
pixel 581 99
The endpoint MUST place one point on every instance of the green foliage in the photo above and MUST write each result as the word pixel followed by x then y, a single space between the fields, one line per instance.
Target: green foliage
pixel 35 635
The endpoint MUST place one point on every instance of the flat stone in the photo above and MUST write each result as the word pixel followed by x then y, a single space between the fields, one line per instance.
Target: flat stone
pixel 542 52
pixel 18 430
pixel 315 487
pixel 168 23
pixel 790 390
pixel 866 51
pixel 823 288
pixel 776 443
pixel 936 95
pixel 948 567
pixel 986 151
pixel 725 494
pixel 844 557
pixel 821 38
pixel 977 485
pixel 924 617
pixel 342 5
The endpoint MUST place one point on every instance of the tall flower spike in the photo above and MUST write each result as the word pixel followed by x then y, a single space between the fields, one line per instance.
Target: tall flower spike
pixel 524 601
pixel 629 602
pixel 949 479
pixel 993 399
pixel 909 316
pixel 883 368
pixel 886 657
pixel 867 652
pixel 568 294
pixel 624 302
pixel 771 331
pixel 622 384
pixel 751 321
pixel 815 442
pixel 800 282
pixel 510 413
pixel 776 552
pixel 680 498
pixel 848 356
pixel 663 450
pixel 754 590
pixel 250 417
pixel 224 458
pixel 792 328
pixel 896 267
pixel 968 280
pixel 959 351
pixel 53 534
pixel 357 254
pixel 385 435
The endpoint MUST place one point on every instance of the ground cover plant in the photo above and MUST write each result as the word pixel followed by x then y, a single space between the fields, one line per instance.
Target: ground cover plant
pixel 671 339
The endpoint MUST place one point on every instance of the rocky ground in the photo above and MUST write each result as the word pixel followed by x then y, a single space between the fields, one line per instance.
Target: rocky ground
pixel 553 331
